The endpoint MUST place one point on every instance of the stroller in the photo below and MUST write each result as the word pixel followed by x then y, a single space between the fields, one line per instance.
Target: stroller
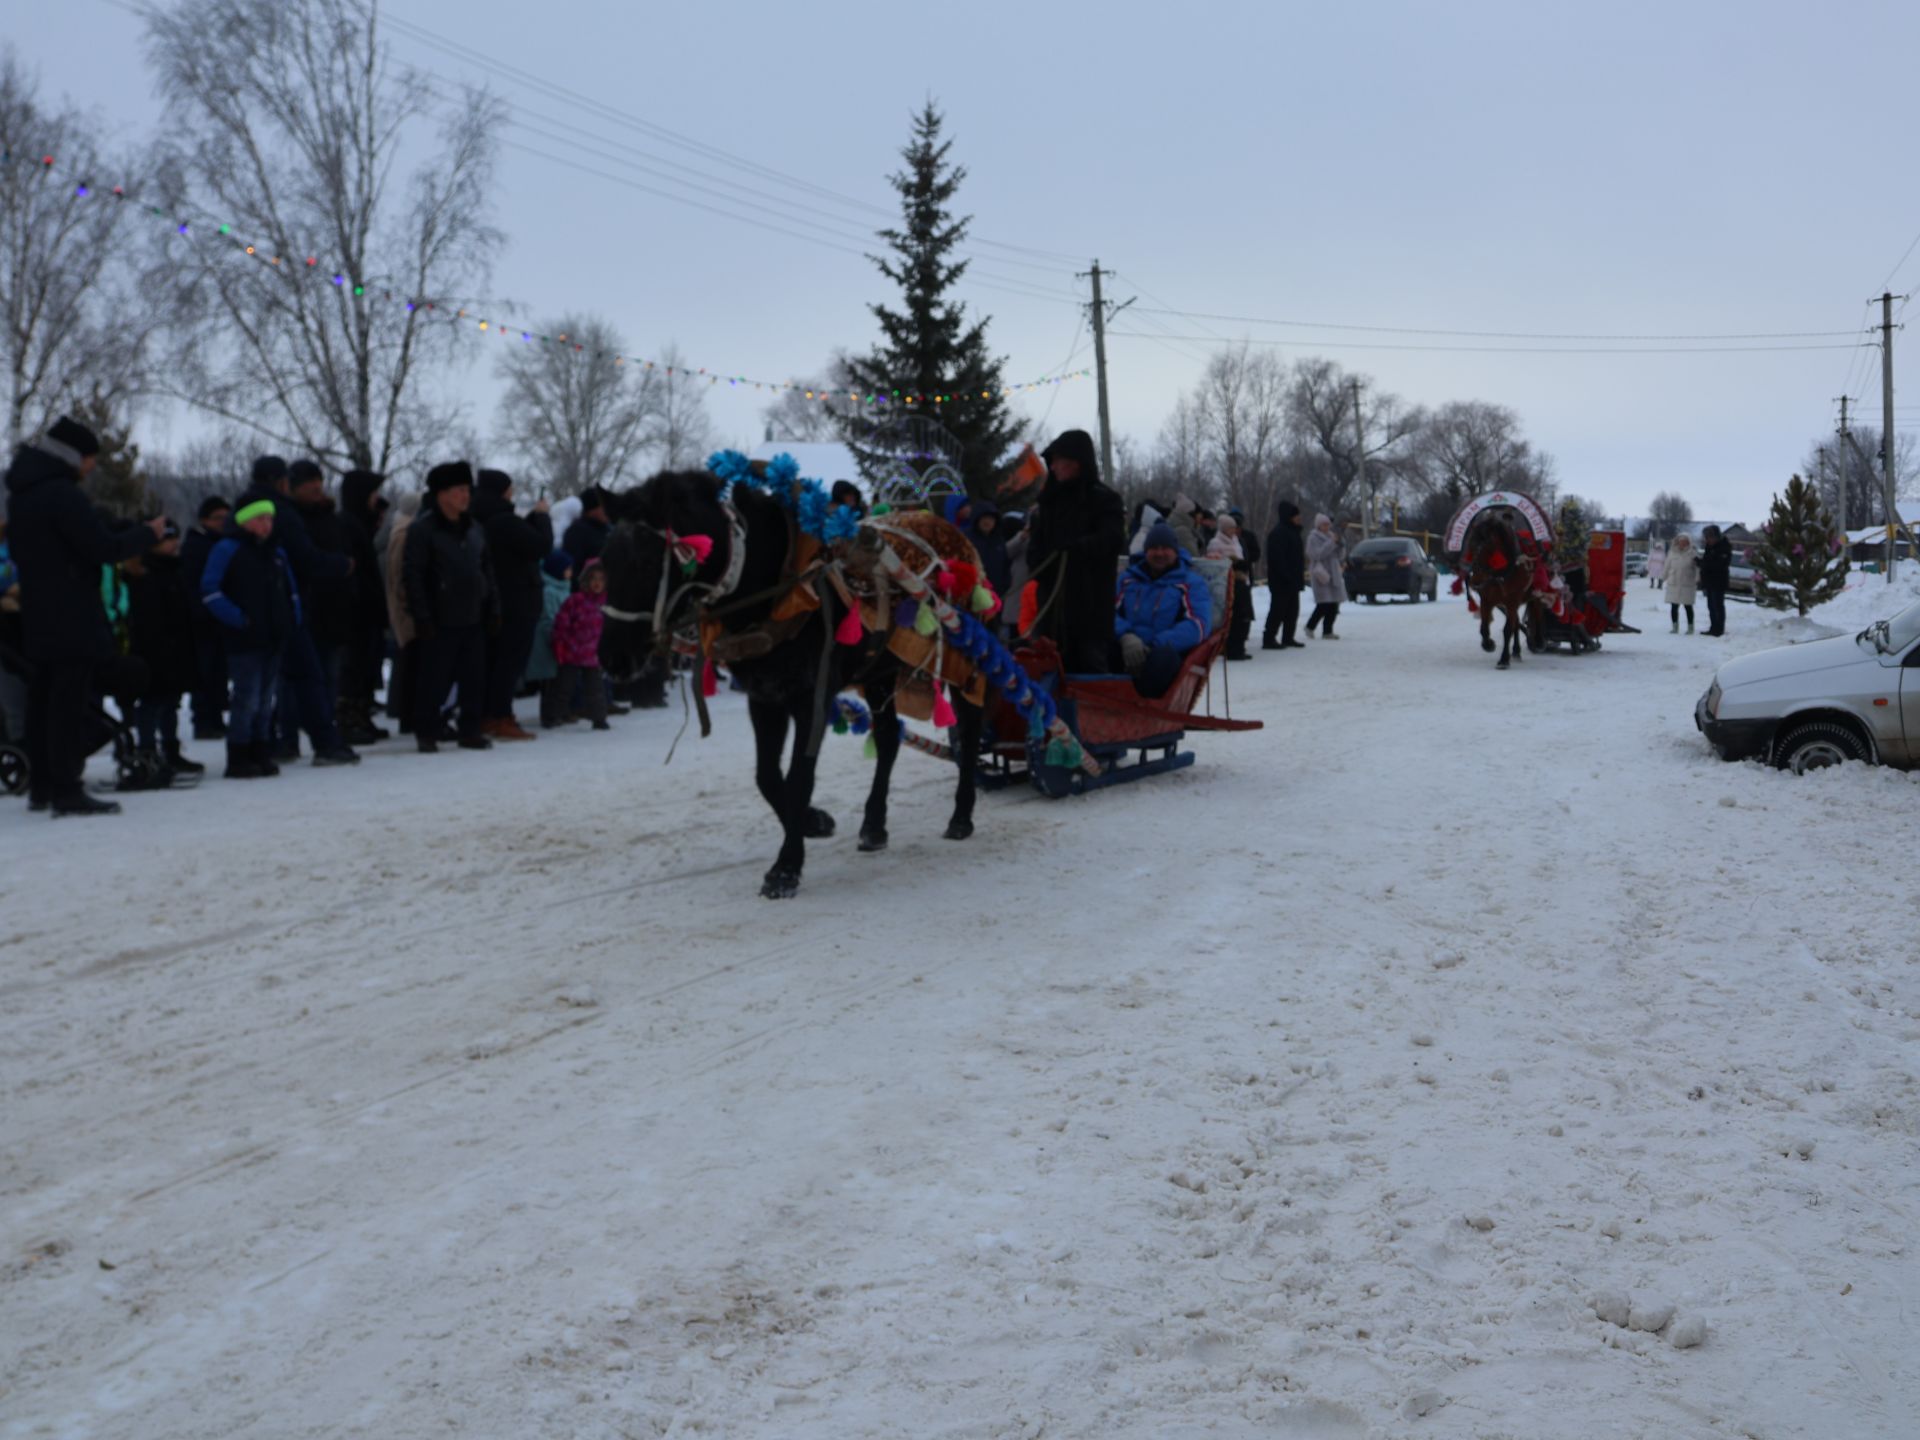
pixel 133 769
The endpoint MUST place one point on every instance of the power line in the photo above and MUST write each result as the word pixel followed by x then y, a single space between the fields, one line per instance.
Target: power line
pixel 458 50
pixel 1519 349
pixel 1490 334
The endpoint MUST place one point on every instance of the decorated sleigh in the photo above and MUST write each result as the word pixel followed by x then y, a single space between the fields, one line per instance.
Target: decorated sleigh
pixel 1128 736
pixel 1555 619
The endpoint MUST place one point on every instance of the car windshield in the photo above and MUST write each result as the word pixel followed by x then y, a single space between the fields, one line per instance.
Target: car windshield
pixel 1376 548
pixel 1904 628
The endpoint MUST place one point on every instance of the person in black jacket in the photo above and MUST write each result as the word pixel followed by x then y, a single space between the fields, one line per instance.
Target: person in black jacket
pixel 248 588
pixel 1716 577
pixel 59 547
pixel 357 673
pixel 1286 573
pixel 517 545
pixel 209 652
pixel 587 536
pixel 161 626
pixel 447 574
pixel 305 699
pixel 1078 539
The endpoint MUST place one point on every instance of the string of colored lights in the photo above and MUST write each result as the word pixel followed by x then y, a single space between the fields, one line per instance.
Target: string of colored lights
pixel 482 319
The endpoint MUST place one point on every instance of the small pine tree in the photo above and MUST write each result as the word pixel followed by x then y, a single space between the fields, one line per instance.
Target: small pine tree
pixel 118 482
pixel 929 346
pixel 1801 560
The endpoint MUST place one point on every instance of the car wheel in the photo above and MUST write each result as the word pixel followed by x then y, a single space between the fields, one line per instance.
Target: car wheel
pixel 1818 745
pixel 1372 598
pixel 1413 591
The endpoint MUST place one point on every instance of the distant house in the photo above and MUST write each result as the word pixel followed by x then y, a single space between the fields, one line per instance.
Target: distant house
pixel 1868 544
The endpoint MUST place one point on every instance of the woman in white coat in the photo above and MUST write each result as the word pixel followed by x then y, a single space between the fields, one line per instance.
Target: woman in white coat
pixel 1324 556
pixel 1682 578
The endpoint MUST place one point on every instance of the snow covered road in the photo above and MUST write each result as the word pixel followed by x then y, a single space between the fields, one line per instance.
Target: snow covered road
pixel 1316 1091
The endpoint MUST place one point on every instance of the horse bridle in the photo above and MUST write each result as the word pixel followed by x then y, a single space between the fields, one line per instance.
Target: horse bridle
pixel 665 605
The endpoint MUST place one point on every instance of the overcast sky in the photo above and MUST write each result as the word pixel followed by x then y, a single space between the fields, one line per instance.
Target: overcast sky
pixel 1627 168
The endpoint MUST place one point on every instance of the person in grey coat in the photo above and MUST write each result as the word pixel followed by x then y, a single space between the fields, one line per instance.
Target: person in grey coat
pixel 1325 557
pixel 1682 575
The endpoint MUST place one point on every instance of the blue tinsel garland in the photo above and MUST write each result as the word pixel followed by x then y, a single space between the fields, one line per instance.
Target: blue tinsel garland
pixel 812 511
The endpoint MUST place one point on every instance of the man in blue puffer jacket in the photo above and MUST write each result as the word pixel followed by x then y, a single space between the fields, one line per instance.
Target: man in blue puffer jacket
pixel 1165 609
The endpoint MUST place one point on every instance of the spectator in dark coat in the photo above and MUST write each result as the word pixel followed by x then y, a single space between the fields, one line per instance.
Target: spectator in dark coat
pixel 161 626
pixel 1716 577
pixel 992 548
pixel 58 547
pixel 517 544
pixel 448 578
pixel 327 600
pixel 1286 573
pixel 249 590
pixel 1078 538
pixel 305 700
pixel 587 536
pixel 209 652
pixel 357 673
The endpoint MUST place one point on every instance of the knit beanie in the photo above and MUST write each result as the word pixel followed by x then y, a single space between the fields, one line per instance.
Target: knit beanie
pixel 253 511
pixel 213 505
pixel 75 436
pixel 1161 536
pixel 301 471
pixel 449 477
pixel 494 482
pixel 557 564
pixel 269 470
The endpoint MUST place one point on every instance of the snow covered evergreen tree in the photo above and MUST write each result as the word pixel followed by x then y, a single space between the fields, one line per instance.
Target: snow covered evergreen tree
pixel 929 346
pixel 1801 560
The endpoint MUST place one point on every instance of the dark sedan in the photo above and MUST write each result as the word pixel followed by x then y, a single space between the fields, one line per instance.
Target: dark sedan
pixel 1395 567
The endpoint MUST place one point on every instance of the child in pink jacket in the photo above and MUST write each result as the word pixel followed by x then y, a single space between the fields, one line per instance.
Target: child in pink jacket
pixel 576 644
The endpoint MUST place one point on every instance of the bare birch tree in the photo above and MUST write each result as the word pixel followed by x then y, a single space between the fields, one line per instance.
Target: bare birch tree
pixel 81 310
pixel 573 412
pixel 288 122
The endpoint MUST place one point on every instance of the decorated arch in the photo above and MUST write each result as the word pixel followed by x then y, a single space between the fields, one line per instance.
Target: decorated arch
pixel 1522 506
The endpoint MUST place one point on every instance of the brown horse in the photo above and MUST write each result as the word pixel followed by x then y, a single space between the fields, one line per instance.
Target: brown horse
pixel 1500 577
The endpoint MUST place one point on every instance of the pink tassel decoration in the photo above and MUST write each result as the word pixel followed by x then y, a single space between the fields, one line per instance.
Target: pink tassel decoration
pixel 709 680
pixel 850 629
pixel 943 715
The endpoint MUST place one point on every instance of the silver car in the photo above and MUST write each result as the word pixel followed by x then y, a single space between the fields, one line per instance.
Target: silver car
pixel 1802 707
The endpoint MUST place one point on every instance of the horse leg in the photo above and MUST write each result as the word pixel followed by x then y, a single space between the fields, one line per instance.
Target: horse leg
pixel 1506 640
pixel 1519 632
pixel 971 718
pixel 770 724
pixel 886 745
pixel 1486 625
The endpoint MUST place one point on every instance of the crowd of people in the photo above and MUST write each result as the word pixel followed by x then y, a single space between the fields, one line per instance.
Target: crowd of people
pixel 286 615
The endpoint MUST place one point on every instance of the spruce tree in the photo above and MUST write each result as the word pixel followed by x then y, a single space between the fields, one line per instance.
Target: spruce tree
pixel 1801 560
pixel 929 346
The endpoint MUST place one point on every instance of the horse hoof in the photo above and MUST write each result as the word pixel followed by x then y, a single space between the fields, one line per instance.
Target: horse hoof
pixel 1488 646
pixel 818 826
pixel 780 884
pixel 960 830
pixel 872 840
pixel 1501 666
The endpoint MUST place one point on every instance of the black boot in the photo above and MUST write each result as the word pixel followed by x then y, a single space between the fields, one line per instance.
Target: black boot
pixel 262 753
pixel 180 764
pixel 240 762
pixel 81 803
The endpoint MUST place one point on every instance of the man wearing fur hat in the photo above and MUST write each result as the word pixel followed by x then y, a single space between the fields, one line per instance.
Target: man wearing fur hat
pixel 447 574
pixel 59 547
pixel 1078 537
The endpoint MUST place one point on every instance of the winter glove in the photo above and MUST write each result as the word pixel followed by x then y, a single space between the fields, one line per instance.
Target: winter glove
pixel 1133 652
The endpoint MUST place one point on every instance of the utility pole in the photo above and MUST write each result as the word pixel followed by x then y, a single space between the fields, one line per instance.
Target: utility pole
pixel 1100 318
pixel 1360 466
pixel 1846 462
pixel 1886 426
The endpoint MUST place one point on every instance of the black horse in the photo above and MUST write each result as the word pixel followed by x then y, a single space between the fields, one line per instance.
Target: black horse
pixel 802 669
